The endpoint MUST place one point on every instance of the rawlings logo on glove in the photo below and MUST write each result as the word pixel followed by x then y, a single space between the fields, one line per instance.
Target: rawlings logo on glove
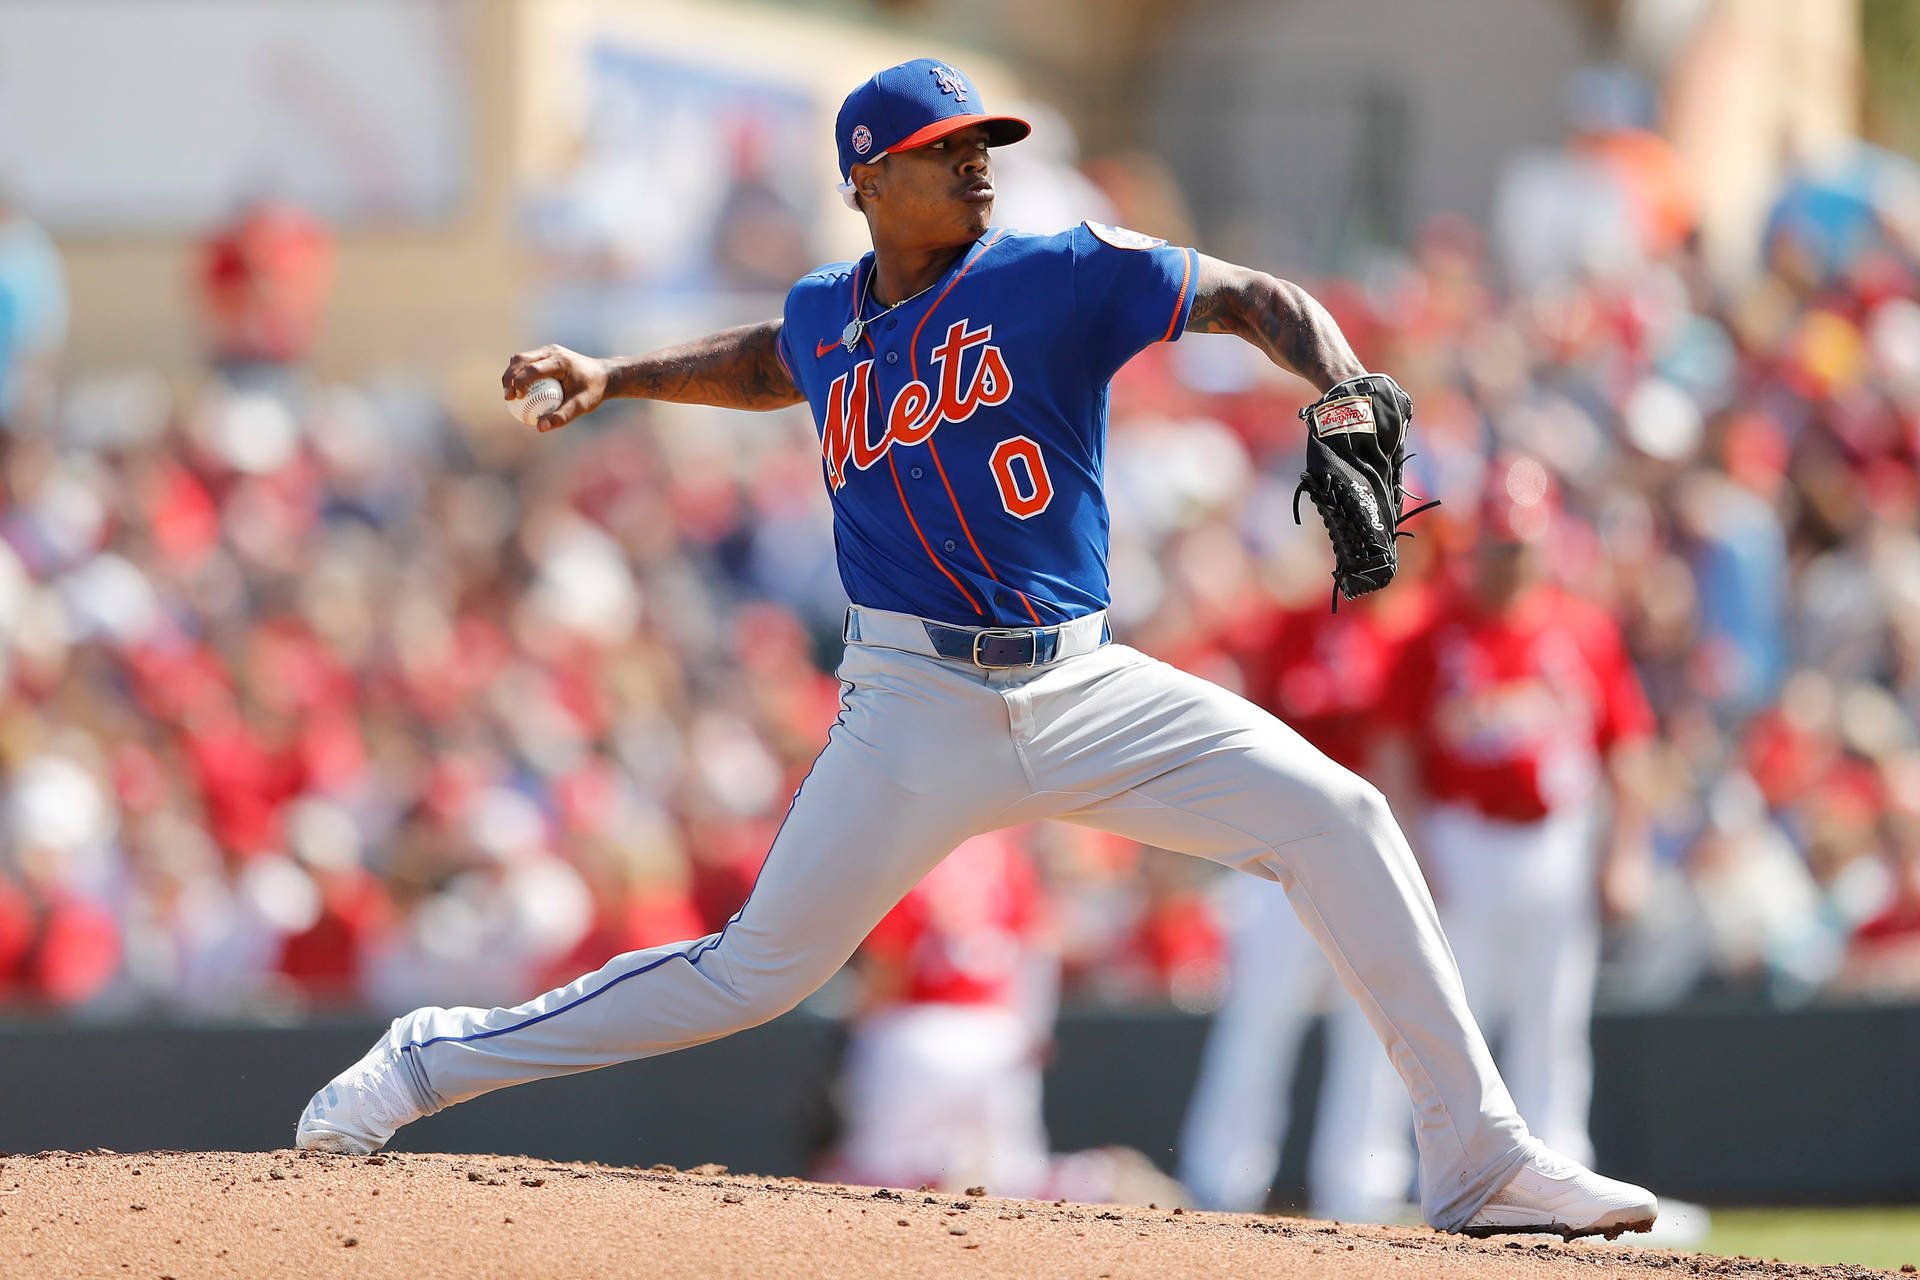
pixel 1333 417
pixel 1355 453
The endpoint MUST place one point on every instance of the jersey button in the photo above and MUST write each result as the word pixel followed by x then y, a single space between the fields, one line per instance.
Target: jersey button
pixel 892 323
pixel 893 357
pixel 916 473
pixel 949 544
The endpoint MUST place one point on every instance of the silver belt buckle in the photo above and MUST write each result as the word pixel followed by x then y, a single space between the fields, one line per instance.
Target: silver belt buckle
pixel 1033 658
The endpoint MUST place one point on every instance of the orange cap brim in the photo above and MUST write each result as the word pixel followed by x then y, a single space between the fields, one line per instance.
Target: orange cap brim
pixel 1005 129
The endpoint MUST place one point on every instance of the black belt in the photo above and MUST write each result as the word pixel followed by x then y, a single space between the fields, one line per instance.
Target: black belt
pixel 995 646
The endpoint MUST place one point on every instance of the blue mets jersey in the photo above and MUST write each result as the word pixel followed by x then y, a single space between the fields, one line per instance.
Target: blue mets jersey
pixel 963 436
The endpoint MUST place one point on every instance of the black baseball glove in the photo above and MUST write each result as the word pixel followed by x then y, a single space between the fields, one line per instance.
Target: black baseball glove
pixel 1356 447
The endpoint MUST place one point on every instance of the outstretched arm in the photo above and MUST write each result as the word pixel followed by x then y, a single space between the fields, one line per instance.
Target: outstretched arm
pixel 1277 316
pixel 732 369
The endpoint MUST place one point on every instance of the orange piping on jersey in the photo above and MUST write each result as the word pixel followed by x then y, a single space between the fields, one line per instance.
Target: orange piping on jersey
pixel 913 360
pixel 895 472
pixel 1180 299
pixel 913 348
pixel 923 537
pixel 969 532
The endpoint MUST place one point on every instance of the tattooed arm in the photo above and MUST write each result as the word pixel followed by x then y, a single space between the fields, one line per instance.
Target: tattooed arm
pixel 733 369
pixel 1277 316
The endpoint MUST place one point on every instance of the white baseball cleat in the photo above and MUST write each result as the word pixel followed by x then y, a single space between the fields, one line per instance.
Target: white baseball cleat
pixel 358 1112
pixel 1556 1195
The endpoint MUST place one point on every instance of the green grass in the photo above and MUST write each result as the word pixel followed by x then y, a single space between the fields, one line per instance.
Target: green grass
pixel 1864 1237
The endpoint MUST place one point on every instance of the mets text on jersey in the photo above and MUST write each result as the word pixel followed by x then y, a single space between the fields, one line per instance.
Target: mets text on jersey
pixel 915 411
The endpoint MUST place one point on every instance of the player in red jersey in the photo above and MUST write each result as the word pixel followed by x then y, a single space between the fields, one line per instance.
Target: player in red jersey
pixel 1324 674
pixel 1526 721
pixel 942 1080
pixel 942 1085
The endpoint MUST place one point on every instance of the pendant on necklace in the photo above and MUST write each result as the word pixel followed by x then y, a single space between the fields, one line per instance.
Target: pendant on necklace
pixel 850 336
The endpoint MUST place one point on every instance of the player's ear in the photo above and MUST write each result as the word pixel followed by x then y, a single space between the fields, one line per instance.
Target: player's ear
pixel 866 180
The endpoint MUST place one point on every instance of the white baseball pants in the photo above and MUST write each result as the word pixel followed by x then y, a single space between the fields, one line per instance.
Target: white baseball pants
pixel 928 753
pixel 1518 899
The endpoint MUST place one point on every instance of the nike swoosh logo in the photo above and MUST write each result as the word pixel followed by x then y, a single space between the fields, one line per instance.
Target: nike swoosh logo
pixel 820 351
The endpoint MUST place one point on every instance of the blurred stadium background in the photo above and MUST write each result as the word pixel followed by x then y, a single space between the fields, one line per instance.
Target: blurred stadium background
pixel 327 690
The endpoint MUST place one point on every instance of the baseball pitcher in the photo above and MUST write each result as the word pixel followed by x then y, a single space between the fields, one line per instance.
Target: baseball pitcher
pixel 958 377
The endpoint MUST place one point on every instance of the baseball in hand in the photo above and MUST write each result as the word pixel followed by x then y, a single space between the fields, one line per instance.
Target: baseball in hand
pixel 542 398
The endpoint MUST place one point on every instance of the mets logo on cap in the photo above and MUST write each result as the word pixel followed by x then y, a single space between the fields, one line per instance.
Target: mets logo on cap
pixel 949 80
pixel 862 139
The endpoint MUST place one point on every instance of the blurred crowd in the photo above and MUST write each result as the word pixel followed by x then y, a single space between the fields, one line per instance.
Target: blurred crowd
pixel 326 695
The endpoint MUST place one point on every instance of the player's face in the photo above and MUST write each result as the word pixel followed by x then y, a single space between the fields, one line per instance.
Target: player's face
pixel 938 194
pixel 1504 570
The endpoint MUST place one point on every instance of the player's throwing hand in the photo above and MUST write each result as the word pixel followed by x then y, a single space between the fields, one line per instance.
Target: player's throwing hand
pixel 583 380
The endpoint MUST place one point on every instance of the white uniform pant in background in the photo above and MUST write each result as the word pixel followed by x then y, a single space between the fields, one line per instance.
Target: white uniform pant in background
pixel 1360 1164
pixel 1518 901
pixel 928 753
pixel 946 1095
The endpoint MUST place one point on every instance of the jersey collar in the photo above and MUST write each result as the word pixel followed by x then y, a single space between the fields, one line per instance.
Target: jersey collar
pixel 931 297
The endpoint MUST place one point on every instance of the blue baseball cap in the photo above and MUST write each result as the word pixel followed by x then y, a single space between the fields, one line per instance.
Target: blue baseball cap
pixel 909 106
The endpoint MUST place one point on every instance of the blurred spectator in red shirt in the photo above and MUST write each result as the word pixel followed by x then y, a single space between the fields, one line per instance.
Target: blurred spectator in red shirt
pixel 59 940
pixel 264 282
pixel 1883 958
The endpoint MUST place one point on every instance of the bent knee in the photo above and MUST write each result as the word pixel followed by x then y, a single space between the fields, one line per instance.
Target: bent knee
pixel 770 1003
pixel 761 993
pixel 1358 805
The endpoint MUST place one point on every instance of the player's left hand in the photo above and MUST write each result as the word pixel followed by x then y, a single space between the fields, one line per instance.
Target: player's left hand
pixel 1356 448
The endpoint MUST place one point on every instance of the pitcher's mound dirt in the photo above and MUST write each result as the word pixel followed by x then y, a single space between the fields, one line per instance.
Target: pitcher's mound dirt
pixel 266 1215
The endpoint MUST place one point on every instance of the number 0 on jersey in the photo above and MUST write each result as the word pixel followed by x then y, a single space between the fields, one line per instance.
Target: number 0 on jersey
pixel 1020 474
